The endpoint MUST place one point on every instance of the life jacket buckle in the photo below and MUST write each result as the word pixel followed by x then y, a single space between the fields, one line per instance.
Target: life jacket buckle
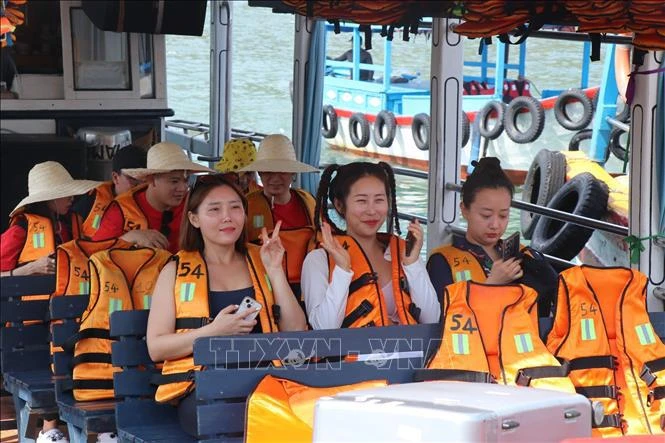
pixel 522 379
pixel 647 375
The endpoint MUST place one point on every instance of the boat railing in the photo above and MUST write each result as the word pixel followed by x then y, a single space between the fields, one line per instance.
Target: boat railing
pixel 618 124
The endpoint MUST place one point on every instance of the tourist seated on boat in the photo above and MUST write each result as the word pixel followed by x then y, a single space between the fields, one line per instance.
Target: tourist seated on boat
pixel 215 270
pixel 365 58
pixel 39 223
pixel 277 202
pixel 362 277
pixel 237 154
pixel 90 207
pixel 150 215
pixel 477 256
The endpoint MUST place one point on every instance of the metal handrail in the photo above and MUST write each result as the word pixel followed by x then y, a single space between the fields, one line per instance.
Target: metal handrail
pixel 559 215
pixel 619 124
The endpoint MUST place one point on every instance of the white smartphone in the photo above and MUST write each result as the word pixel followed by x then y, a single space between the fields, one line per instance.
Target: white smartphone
pixel 248 304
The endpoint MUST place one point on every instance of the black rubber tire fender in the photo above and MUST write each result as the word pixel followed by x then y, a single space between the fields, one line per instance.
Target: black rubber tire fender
pixel 330 123
pixel 575 140
pixel 484 114
pixel 359 122
pixel 420 130
pixel 385 122
pixel 561 114
pixel 545 176
pixel 466 129
pixel 535 108
pixel 582 195
pixel 614 144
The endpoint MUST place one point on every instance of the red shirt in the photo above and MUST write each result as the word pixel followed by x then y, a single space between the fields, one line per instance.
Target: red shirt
pixel 112 224
pixel 13 240
pixel 293 214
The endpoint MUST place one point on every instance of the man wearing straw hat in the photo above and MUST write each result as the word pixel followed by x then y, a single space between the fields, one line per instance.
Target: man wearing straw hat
pixel 277 166
pixel 40 221
pixel 150 215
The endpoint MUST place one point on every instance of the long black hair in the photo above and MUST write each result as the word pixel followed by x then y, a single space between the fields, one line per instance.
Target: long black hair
pixel 487 174
pixel 338 187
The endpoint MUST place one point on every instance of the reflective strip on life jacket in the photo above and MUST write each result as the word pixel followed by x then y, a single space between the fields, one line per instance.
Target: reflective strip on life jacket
pixel 132 215
pixel 283 410
pixel 193 310
pixel 365 305
pixel 120 280
pixel 39 240
pixel 103 196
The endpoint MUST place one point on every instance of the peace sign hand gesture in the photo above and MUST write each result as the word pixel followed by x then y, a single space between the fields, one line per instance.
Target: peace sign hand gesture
pixel 337 251
pixel 272 250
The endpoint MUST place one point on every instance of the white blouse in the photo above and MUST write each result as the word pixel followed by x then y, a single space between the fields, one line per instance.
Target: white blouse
pixel 325 300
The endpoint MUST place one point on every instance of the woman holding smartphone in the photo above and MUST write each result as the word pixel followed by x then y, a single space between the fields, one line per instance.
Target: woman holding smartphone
pixel 198 293
pixel 362 277
pixel 479 255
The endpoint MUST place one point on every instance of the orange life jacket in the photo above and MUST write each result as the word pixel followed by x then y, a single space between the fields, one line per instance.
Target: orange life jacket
pixel 297 242
pixel 103 196
pixel 365 305
pixel 490 332
pixel 120 280
pixel 283 410
pixel 132 215
pixel 40 238
pixel 193 311
pixel 603 329
pixel 463 264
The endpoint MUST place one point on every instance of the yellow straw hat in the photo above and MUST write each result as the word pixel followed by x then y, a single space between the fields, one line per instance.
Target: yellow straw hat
pixel 50 180
pixel 237 154
pixel 277 154
pixel 166 157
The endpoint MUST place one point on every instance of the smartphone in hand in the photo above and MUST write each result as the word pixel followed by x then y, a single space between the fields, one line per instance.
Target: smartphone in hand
pixel 511 246
pixel 248 304
pixel 410 242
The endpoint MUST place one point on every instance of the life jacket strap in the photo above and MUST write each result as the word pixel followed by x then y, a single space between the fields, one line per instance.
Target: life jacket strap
pixel 70 343
pixel 598 361
pixel 165 379
pixel 92 357
pixel 276 312
pixel 92 384
pixel 191 322
pixel 363 309
pixel 367 278
pixel 404 285
pixel 415 312
pixel 453 375
pixel 647 372
pixel 607 391
pixel 524 376
pixel 657 393
pixel 610 421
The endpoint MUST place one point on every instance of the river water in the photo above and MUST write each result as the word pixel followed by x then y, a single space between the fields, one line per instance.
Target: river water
pixel 262 68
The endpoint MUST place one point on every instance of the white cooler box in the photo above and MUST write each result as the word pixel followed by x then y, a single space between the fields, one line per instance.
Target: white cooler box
pixel 452 412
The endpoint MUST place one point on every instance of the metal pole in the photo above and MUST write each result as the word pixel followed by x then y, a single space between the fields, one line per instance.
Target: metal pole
pixel 220 73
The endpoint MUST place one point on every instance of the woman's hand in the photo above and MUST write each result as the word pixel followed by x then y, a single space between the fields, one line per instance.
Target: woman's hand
pixel 230 322
pixel 149 238
pixel 505 271
pixel 272 250
pixel 332 246
pixel 417 231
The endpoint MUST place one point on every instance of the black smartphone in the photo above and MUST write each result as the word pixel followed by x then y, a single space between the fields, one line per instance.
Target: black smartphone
pixel 410 242
pixel 511 246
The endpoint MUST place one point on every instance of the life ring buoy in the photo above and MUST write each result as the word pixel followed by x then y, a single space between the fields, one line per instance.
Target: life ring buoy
pixel 622 68
pixel 358 122
pixel 582 195
pixel 492 107
pixel 420 130
pixel 561 109
pixel 545 176
pixel 533 131
pixel 385 123
pixel 574 143
pixel 466 129
pixel 614 144
pixel 330 122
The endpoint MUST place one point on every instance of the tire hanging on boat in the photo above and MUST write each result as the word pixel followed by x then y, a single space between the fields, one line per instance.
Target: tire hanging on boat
pixel 515 108
pixel 614 145
pixel 385 123
pixel 582 195
pixel 545 176
pixel 466 128
pixel 330 122
pixel 492 107
pixel 358 122
pixel 575 140
pixel 561 106
pixel 420 130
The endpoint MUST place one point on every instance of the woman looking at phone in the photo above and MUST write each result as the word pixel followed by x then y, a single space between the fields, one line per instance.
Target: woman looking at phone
pixel 479 255
pixel 362 277
pixel 198 293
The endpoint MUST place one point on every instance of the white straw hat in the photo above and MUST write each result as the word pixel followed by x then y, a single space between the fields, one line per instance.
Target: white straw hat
pixel 277 154
pixel 166 157
pixel 50 180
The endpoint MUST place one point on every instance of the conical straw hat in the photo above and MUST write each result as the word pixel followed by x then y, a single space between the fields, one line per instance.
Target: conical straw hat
pixel 50 180
pixel 166 157
pixel 277 154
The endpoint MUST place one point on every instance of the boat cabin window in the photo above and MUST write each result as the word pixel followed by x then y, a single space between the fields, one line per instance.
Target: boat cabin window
pixel 38 47
pixel 100 58
pixel 146 80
